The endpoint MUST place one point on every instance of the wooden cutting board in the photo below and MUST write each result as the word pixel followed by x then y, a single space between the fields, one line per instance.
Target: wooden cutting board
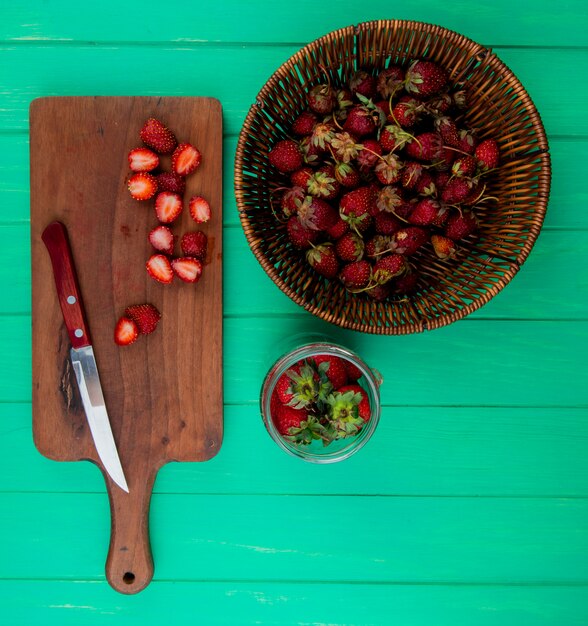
pixel 164 392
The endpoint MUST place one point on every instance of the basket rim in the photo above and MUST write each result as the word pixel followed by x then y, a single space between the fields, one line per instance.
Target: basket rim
pixel 540 202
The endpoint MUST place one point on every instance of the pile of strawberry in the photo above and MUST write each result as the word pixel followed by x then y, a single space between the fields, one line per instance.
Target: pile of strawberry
pixel 376 169
pixel 319 398
pixel 148 180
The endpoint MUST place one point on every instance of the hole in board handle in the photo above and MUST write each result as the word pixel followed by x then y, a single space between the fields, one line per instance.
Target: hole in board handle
pixel 129 578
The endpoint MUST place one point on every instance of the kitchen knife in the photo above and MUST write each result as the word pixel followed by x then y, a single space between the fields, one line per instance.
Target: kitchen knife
pixel 81 353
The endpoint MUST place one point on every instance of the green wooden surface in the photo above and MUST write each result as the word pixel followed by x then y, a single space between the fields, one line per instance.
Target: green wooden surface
pixel 469 507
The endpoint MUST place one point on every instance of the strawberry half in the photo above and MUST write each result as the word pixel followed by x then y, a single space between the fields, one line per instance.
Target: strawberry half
pixel 194 244
pixel 168 206
pixel 145 316
pixel 157 136
pixel 160 269
pixel 187 268
pixel 143 160
pixel 162 239
pixel 142 186
pixel 125 331
pixel 185 159
pixel 199 209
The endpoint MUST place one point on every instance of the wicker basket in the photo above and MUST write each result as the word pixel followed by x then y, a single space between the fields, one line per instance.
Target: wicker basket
pixel 501 109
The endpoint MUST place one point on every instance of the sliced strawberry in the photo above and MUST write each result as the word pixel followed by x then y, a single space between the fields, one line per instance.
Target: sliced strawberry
pixel 160 269
pixel 168 206
pixel 143 160
pixel 187 268
pixel 162 239
pixel 145 316
pixel 185 159
pixel 125 331
pixel 199 209
pixel 194 244
pixel 142 186
pixel 157 136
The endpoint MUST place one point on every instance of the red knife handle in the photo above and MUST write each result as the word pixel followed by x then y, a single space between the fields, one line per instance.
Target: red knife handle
pixel 68 289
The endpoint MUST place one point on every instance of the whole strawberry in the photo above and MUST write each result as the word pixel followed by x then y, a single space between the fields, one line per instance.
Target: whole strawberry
pixel 360 121
pixel 304 123
pixel 300 236
pixel 447 128
pixel 158 136
pixel 323 260
pixel 464 166
pixel 364 405
pixel 386 224
pixel 388 267
pixel 388 170
pixel 347 175
pixel 406 111
pixel 444 247
pixel 288 418
pixel 356 276
pixel 487 154
pixel 426 146
pixel 425 78
pixel 194 244
pixel 424 212
pixel 334 369
pixel 350 247
pixel 363 83
pixel 316 214
pixel 456 190
pixel 390 81
pixel 369 154
pixel 285 156
pixel 170 181
pixel 408 240
pixel 460 225
pixel 355 205
pixel 321 99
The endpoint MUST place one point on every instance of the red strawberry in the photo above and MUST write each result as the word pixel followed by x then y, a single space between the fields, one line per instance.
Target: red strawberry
pixel 444 159
pixel 441 179
pixel 186 159
pixel 168 206
pixel 411 173
pixel 170 181
pixel 487 154
pixel 142 186
pixel 390 81
pixel 157 136
pixel 368 155
pixel 356 276
pixel 322 135
pixel 360 121
pixel 304 123
pixel 426 185
pixel 406 111
pixel 363 83
pixel 291 199
pixel 408 240
pixel 323 260
pixel 160 269
pixel 347 175
pixel 300 236
pixel 344 147
pixel 145 316
pixel 283 388
pixel 316 214
pixel 464 166
pixel 447 128
pixel 309 153
pixel 323 183
pixel 425 78
pixel 143 160
pixel 388 169
pixel 287 417
pixel 439 104
pixel 386 224
pixel 338 229
pixel 321 99
pixel 389 199
pixel 380 292
pixel 467 141
pixel 424 212
pixel 354 206
pixel 444 247
pixel 456 190
pixel 285 156
pixel 125 332
pixel 194 244
pixel 388 267
pixel 353 372
pixel 460 225
pixel 393 137
pixel 350 247
pixel 300 177
pixel 199 209
pixel 162 239
pixel 187 268
pixel 426 146
pixel 335 371
pixel 365 411
pixel 406 283
pixel 378 245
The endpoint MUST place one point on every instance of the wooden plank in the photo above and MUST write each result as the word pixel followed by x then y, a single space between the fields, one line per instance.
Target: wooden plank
pixel 567 192
pixel 415 451
pixel 481 363
pixel 235 21
pixel 285 604
pixel 307 538
pixel 89 70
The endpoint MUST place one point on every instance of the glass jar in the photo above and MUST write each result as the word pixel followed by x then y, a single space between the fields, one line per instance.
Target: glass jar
pixel 316 451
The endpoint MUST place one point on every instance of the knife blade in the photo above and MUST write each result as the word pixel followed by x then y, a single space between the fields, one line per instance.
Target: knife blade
pixel 82 353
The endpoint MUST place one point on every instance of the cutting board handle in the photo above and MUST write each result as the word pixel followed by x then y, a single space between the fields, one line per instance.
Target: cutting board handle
pixel 129 566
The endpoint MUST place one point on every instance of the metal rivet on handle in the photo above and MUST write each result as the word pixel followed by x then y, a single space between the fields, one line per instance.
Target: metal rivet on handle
pixel 71 299
pixel 78 332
